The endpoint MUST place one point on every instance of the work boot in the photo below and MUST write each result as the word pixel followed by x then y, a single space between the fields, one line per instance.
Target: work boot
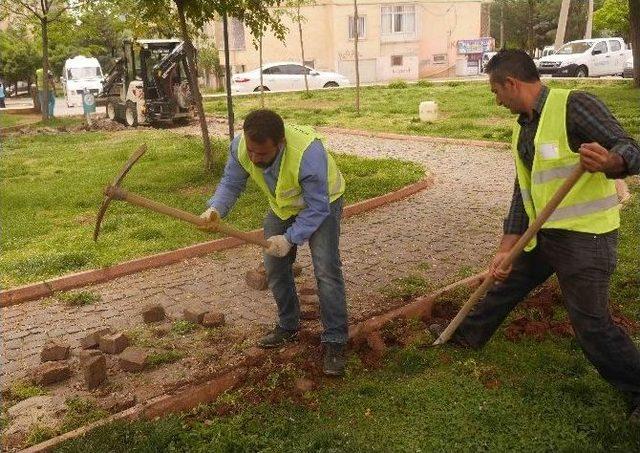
pixel 277 337
pixel 334 360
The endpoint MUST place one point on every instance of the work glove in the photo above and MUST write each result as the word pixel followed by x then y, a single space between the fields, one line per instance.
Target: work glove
pixel 278 246
pixel 210 215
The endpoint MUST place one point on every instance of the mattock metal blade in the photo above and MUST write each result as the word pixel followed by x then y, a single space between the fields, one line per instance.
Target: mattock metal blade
pixel 116 182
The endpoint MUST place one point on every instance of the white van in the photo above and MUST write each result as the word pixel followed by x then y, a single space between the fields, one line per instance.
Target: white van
pixel 587 58
pixel 80 73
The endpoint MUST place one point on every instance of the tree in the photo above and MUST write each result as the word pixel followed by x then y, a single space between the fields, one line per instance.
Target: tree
pixel 357 58
pixel 634 26
pixel 209 59
pixel 254 13
pixel 612 19
pixel 19 57
pixel 44 12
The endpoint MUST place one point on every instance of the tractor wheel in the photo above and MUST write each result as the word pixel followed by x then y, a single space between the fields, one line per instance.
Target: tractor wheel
pixel 131 115
pixel 111 111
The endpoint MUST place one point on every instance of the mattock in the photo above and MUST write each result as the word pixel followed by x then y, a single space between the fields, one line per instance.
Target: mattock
pixel 115 192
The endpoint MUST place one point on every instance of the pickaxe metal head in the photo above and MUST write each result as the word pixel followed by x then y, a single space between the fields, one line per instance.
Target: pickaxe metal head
pixel 108 191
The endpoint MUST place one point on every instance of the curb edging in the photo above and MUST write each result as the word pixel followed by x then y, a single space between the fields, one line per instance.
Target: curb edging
pixel 46 288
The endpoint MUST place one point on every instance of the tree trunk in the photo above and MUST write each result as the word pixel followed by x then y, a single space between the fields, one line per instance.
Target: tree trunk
pixel 501 27
pixel 225 33
pixel 355 45
pixel 306 82
pixel 195 89
pixel 589 29
pixel 261 77
pixel 44 107
pixel 562 24
pixel 634 31
pixel 531 46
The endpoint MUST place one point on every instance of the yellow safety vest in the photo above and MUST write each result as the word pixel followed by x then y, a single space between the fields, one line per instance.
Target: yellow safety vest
pixel 592 205
pixel 40 79
pixel 287 200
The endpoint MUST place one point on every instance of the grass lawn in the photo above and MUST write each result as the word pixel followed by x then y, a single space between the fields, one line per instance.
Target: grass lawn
pixel 467 110
pixel 522 396
pixel 10 119
pixel 52 184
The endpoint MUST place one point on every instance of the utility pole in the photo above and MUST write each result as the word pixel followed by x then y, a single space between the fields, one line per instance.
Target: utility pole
pixel 562 24
pixel 589 29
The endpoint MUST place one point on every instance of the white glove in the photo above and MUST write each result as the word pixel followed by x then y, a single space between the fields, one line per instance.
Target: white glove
pixel 210 215
pixel 278 246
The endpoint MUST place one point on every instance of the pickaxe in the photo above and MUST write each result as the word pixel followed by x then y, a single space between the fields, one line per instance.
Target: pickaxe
pixel 115 192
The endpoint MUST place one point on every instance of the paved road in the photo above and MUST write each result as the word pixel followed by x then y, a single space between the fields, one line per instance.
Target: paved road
pixel 455 223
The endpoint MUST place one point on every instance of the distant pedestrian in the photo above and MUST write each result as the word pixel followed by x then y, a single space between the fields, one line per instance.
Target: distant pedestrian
pixel 2 105
pixel 50 85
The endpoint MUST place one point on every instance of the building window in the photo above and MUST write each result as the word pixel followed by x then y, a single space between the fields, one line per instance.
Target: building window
pixel 396 60
pixel 398 19
pixel 361 27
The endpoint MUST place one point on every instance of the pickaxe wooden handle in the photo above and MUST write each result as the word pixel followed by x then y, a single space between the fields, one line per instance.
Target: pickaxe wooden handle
pixel 115 192
pixel 513 253
pixel 118 193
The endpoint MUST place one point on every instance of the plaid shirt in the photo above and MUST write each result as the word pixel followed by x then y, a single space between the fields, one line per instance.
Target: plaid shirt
pixel 588 120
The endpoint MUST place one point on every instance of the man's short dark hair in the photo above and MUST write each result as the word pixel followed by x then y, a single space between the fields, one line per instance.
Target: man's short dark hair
pixel 514 63
pixel 264 124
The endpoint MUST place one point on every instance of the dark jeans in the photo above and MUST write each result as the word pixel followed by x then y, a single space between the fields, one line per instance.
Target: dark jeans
pixel 328 271
pixel 583 264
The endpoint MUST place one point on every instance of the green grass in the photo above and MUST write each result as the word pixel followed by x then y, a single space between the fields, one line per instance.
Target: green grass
pixel 467 110
pixel 160 358
pixel 522 396
pixel 183 327
pixel 22 390
pixel 51 189
pixel 11 119
pixel 78 298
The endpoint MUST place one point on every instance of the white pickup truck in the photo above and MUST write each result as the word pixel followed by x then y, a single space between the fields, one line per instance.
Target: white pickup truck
pixel 587 58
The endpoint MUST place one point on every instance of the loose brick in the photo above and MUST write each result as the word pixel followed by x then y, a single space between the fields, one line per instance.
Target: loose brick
pixel 153 313
pixel 93 339
pixel 312 300
pixel 256 280
pixel 94 370
pixel 87 354
pixel 308 312
pixel 133 359
pixel 195 313
pixel 114 344
pixel 307 289
pixel 51 372
pixel 54 350
pixel 213 319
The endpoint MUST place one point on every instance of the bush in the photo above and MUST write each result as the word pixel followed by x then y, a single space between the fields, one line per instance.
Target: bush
pixel 424 83
pixel 398 85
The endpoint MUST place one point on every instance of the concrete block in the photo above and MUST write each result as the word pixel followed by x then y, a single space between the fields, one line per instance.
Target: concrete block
pixel 94 369
pixel 51 372
pixel 213 319
pixel 195 313
pixel 114 344
pixel 153 313
pixel 133 359
pixel 93 339
pixel 54 350
pixel 256 280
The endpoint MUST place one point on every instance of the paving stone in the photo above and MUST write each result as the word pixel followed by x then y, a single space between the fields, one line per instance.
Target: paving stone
pixel 114 344
pixel 94 370
pixel 86 354
pixel 195 313
pixel 51 372
pixel 256 280
pixel 213 319
pixel 93 339
pixel 133 359
pixel 311 299
pixel 54 350
pixel 307 289
pixel 153 313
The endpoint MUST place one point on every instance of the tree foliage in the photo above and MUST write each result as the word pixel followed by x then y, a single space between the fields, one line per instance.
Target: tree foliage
pixel 612 19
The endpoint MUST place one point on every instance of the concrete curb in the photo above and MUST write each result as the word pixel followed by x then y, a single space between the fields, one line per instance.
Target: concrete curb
pixel 417 138
pixel 46 288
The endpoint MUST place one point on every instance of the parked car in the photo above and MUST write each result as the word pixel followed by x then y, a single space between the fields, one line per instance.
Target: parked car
pixel 285 76
pixel 10 90
pixel 586 57
pixel 628 68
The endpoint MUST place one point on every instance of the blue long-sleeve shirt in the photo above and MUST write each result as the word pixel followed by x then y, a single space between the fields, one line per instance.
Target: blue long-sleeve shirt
pixel 313 180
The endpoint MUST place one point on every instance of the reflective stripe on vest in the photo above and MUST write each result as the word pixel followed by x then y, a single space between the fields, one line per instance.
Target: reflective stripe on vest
pixel 591 206
pixel 287 200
